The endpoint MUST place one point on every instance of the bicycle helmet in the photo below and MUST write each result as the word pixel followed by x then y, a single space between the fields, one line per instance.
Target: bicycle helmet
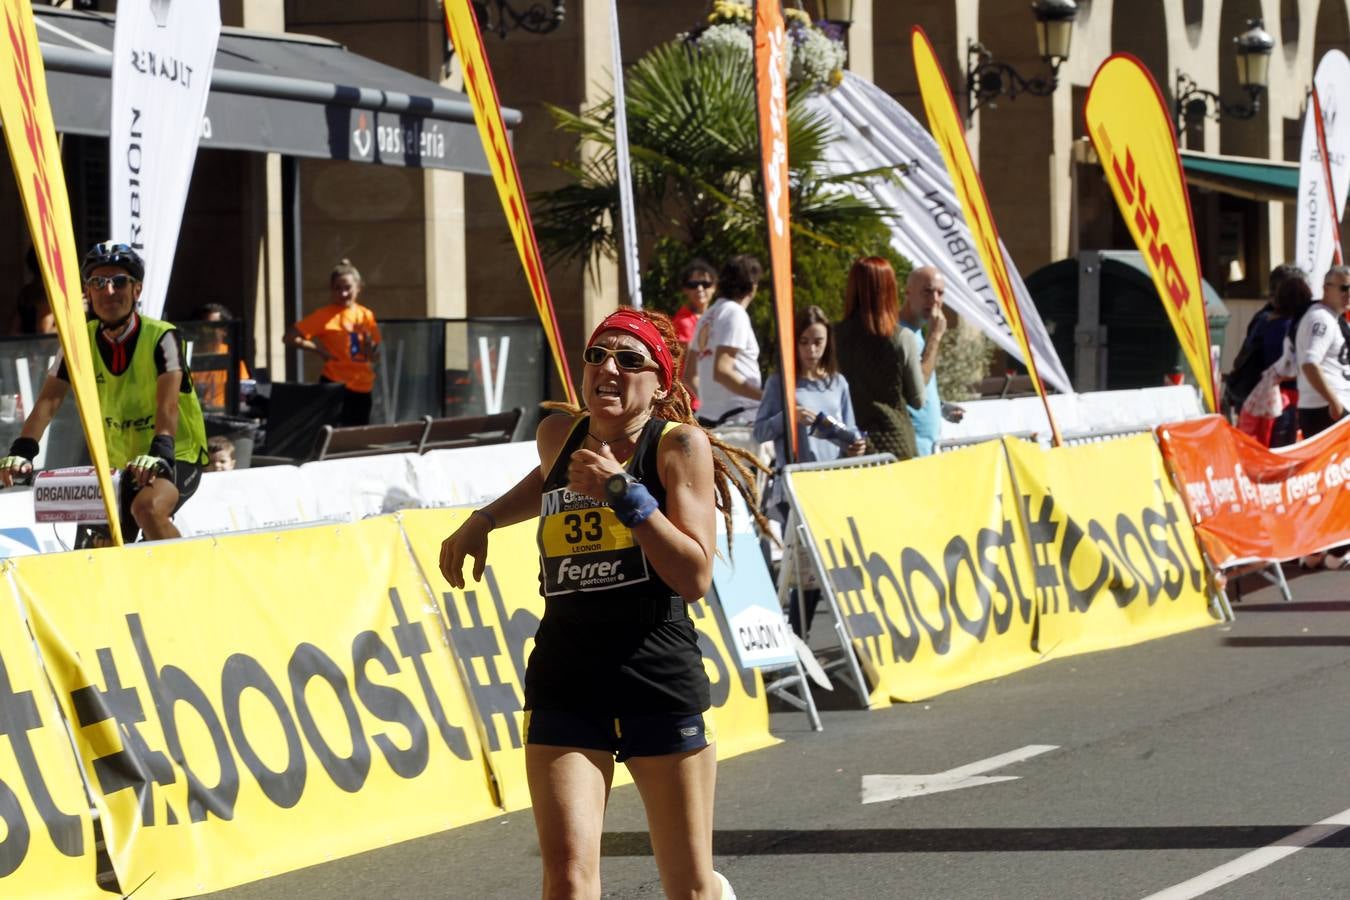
pixel 111 253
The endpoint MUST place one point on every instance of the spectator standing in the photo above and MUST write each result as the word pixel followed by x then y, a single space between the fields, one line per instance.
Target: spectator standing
pixel 1323 356
pixel 821 390
pixel 344 333
pixel 924 290
pixel 1322 352
pixel 1272 347
pixel 880 360
pixel 1252 359
pixel 699 283
pixel 728 377
pixel 213 384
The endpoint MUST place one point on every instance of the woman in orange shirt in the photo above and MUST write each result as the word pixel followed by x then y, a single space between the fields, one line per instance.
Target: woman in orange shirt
pixel 344 333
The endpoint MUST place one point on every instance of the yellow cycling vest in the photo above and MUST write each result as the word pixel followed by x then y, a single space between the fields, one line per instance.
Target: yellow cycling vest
pixel 128 401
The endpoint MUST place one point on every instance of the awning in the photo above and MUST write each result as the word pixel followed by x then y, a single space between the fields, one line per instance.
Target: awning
pixel 279 93
pixel 1242 176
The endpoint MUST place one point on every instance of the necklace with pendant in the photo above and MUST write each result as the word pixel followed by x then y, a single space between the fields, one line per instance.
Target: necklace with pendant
pixel 626 435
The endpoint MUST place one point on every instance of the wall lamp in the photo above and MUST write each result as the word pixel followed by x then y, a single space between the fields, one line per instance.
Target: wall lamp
pixel 987 79
pixel 1253 48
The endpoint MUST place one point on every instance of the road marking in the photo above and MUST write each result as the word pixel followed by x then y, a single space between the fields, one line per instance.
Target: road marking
pixel 1256 860
pixel 880 788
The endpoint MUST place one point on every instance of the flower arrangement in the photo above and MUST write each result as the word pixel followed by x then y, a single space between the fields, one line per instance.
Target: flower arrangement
pixel 816 55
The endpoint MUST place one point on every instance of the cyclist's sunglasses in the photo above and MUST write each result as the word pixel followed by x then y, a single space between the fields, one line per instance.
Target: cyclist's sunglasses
pixel 628 360
pixel 99 282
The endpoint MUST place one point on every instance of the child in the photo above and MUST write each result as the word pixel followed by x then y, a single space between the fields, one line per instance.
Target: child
pixel 220 453
pixel 820 389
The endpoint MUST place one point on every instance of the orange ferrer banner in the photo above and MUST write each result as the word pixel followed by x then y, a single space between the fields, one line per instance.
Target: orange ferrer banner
pixel 771 103
pixel 1132 130
pixel 482 91
pixel 944 121
pixel 36 160
pixel 1251 503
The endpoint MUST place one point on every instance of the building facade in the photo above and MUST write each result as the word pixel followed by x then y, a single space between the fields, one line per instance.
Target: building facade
pixel 435 243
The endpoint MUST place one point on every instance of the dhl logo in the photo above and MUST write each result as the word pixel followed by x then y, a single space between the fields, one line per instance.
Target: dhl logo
pixel 1146 222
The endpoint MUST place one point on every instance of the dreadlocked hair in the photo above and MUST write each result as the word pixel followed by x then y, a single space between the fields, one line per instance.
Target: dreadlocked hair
pixel 732 466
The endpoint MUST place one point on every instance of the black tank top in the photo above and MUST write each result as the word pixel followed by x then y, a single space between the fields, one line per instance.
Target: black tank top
pixel 590 567
pixel 609 645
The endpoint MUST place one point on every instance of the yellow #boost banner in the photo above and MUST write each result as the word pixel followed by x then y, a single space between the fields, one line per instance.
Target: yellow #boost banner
pixel 257 704
pixel 937 592
pixel 482 91
pixel 1117 561
pixel 1131 128
pixel 1044 558
pixel 36 159
pixel 492 625
pixel 48 839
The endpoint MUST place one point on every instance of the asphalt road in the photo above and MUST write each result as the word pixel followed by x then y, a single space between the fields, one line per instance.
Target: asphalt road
pixel 1172 759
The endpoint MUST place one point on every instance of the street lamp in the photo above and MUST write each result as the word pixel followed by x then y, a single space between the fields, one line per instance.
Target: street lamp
pixel 987 79
pixel 1253 48
pixel 500 16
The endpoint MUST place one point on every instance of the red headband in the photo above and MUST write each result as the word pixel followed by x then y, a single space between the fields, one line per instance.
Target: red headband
pixel 639 326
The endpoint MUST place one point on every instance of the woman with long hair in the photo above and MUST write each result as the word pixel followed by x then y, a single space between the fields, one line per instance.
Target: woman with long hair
pixel 879 359
pixel 627 490
pixel 821 390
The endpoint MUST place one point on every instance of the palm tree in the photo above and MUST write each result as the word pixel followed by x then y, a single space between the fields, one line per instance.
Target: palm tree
pixel 696 168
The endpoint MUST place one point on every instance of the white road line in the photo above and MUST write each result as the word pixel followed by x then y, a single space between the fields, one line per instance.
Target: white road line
pixel 1256 860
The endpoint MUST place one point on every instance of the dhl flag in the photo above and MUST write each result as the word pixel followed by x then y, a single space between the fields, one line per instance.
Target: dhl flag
pixel 1132 130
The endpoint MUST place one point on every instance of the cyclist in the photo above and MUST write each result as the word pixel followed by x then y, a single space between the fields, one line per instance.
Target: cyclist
pixel 152 418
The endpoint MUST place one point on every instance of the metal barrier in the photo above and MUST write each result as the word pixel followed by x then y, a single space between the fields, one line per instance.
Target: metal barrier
pixel 799 553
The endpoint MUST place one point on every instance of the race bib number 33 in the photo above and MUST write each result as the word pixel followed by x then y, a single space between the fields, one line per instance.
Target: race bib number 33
pixel 585 548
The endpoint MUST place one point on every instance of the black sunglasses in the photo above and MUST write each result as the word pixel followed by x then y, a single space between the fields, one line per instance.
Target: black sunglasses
pixel 629 360
pixel 99 282
pixel 698 284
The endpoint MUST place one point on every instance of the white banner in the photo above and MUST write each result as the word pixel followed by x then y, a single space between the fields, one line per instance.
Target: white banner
pixel 877 132
pixel 623 167
pixel 1313 231
pixel 163 55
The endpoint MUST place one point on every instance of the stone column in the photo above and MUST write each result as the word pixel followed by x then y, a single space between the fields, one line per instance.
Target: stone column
pixel 860 40
pixel 443 209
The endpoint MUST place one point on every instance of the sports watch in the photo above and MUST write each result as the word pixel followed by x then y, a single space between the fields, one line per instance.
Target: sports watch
pixel 616 486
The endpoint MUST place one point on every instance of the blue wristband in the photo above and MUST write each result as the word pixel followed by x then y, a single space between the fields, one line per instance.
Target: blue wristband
pixel 634 506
